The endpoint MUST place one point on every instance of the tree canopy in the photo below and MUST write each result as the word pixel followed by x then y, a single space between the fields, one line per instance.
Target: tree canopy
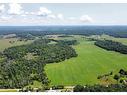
pixel 17 72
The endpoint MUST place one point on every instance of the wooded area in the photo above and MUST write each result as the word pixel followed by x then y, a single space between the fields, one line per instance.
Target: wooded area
pixel 16 71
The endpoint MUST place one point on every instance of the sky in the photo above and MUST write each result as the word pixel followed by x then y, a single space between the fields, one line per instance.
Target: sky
pixel 63 14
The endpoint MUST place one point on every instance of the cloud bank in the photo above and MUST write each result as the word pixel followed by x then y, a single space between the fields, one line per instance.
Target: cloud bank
pixel 2 8
pixel 17 14
pixel 15 9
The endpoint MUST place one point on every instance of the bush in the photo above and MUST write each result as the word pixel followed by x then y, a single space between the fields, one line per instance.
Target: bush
pixel 101 88
pixel 116 77
pixel 78 88
pixel 46 88
pixel 57 87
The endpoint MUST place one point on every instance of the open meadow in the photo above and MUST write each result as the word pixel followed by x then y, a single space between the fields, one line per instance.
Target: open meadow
pixel 91 62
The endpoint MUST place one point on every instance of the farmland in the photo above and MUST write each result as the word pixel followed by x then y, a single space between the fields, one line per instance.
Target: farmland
pixel 91 62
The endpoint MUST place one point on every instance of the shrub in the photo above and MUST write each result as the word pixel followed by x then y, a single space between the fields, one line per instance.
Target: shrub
pixel 78 88
pixel 58 87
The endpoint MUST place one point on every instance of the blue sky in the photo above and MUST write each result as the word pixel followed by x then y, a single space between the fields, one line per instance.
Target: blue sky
pixel 63 14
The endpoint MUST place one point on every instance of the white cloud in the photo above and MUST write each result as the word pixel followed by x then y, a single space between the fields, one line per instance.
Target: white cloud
pixel 51 16
pixel 86 18
pixel 60 16
pixel 23 15
pixel 5 18
pixel 2 8
pixel 26 13
pixel 15 9
pixel 42 16
pixel 44 11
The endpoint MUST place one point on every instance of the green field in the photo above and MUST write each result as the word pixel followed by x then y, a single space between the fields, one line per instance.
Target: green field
pixel 5 43
pixel 84 69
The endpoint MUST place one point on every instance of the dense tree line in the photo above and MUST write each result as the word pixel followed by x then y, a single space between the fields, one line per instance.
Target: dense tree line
pixel 23 31
pixel 101 88
pixel 68 42
pixel 112 46
pixel 65 36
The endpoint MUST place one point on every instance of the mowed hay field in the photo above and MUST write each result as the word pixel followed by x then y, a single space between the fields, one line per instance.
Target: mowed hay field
pixel 84 69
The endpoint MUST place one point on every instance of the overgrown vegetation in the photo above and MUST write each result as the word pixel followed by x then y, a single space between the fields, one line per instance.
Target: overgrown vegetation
pixel 57 87
pixel 101 88
pixel 120 86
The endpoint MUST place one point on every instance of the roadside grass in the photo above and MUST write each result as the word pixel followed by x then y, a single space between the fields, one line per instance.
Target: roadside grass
pixel 8 90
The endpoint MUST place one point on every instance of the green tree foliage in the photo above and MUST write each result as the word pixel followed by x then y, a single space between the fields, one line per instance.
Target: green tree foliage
pixel 101 88
pixel 68 42
pixel 116 77
pixel 18 72
pixel 57 87
pixel 78 88
pixel 122 72
pixel 112 46
pixel 49 53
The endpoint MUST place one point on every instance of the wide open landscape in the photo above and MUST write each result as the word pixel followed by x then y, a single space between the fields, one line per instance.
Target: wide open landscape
pixel 91 62
pixel 63 47
pixel 84 69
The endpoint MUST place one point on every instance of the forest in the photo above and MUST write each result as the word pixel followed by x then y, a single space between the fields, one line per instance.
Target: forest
pixel 16 71
pixel 101 88
pixel 23 31
pixel 60 61
pixel 112 46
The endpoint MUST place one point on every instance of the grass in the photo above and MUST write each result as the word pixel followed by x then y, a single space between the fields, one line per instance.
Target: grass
pixel 8 90
pixel 84 69
pixel 5 43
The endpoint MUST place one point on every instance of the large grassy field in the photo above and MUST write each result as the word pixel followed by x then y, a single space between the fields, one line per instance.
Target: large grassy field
pixel 84 69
